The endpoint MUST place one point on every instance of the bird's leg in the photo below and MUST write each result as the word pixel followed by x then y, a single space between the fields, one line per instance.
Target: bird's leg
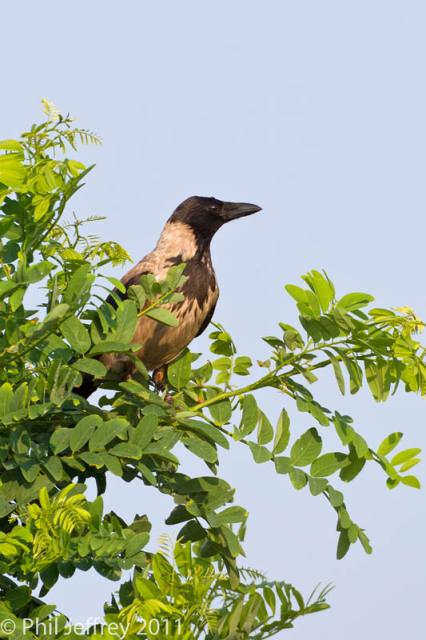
pixel 158 378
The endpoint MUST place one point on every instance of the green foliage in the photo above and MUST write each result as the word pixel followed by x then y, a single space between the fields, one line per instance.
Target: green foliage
pixel 256 608
pixel 52 440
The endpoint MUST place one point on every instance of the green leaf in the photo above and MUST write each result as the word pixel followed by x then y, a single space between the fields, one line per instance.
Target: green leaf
pixel 232 514
pixel 6 399
pixel 12 170
pixel 179 514
pixel 11 145
pixel 92 459
pixel 297 293
pixel 409 464
pixel 329 327
pixel 312 327
pixel 411 481
pixel 282 464
pixel 353 532
pixel 6 507
pixel 112 464
pixel 143 433
pixel 405 455
pixel 201 448
pixel 75 167
pixel 76 334
pixel 106 432
pixel 107 346
pixel 38 271
pixel 317 485
pixel 292 338
pixel 222 347
pixel 306 449
pixel 298 478
pixel 126 450
pixel 260 454
pixel 343 545
pixel 353 301
pixel 56 314
pixel 314 409
pixel 242 365
pixel 377 378
pixel 137 293
pixel 221 411
pixel 322 287
pixel 60 439
pixel 18 597
pixel 79 284
pixel 265 431
pixel 343 428
pixel 45 610
pixel 328 464
pixel 6 287
pixel 41 207
pixel 179 371
pixel 54 467
pixel 136 543
pixel 83 430
pixel 222 364
pixel 349 472
pixel 391 483
pixel 174 276
pixel 30 470
pixel 16 298
pixel 232 542
pixel 127 318
pixel 337 371
pixel 354 371
pixel 207 431
pixel 250 415
pixel 364 541
pixel 389 443
pixel 164 573
pixel 191 532
pixel 72 254
pixel 310 308
pixel 164 316
pixel 204 373
pixel 147 474
pixel 360 445
pixel 344 519
pixel 282 433
pixel 90 366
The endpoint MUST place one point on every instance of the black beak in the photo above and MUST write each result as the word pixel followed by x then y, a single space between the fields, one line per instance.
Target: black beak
pixel 234 210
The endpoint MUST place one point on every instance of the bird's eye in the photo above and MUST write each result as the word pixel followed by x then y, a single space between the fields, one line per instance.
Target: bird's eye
pixel 213 207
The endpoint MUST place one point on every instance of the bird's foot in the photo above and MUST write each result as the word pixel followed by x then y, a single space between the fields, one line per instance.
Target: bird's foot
pixel 158 378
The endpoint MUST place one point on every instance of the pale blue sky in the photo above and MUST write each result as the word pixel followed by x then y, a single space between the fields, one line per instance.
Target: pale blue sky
pixel 315 110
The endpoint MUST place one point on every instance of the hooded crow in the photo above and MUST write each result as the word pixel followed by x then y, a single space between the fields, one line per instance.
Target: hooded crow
pixel 186 237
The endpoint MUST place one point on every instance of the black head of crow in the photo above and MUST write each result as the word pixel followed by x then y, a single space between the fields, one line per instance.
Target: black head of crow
pixel 185 238
pixel 206 215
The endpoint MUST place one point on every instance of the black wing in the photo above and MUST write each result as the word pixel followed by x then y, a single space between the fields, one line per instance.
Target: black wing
pixel 206 322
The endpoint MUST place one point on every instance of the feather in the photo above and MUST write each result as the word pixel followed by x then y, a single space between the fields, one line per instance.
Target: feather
pixel 185 239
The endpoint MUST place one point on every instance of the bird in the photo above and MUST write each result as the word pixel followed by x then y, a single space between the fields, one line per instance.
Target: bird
pixel 185 238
